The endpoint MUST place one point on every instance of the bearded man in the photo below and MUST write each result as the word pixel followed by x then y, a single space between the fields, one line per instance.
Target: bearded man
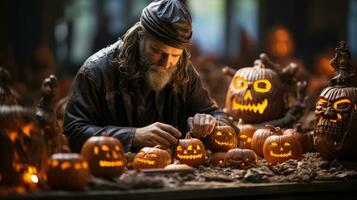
pixel 143 88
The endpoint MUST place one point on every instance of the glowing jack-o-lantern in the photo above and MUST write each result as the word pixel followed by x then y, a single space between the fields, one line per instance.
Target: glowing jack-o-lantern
pixel 260 135
pixel 255 95
pixel 245 135
pixel 280 148
pixel 190 151
pixel 104 155
pixel 22 149
pixel 67 171
pixel 242 158
pixel 218 159
pixel 336 111
pixel 222 138
pixel 151 157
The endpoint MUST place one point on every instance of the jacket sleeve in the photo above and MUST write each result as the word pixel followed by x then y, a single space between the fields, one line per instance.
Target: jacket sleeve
pixel 200 102
pixel 84 115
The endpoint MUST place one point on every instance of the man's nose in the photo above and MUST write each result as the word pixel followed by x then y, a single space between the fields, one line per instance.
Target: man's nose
pixel 165 61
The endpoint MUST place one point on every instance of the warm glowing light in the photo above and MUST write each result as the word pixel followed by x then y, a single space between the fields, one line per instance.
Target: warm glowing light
pixel 260 107
pixel 34 178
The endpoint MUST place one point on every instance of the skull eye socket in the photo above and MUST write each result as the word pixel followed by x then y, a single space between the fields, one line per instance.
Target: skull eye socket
pixel 189 147
pixel 321 104
pixel 219 133
pixel 179 148
pixel 274 144
pixel 198 147
pixel 262 85
pixel 287 144
pixel 342 104
pixel 240 83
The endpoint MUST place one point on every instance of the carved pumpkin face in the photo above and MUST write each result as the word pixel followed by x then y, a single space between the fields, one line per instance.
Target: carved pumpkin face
pixel 151 157
pixel 222 139
pixel 104 155
pixel 255 95
pixel 190 151
pixel 334 134
pixel 245 135
pixel 67 166
pixel 242 158
pixel 22 148
pixel 260 135
pixel 280 148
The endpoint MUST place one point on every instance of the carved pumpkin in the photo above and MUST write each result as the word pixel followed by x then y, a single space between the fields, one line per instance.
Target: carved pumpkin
pixel 242 158
pixel 280 148
pixel 104 155
pixel 190 151
pixel 151 157
pixel 22 148
pixel 222 138
pixel 336 111
pixel 218 159
pixel 245 135
pixel 305 139
pixel 67 171
pixel 261 135
pixel 178 166
pixel 255 95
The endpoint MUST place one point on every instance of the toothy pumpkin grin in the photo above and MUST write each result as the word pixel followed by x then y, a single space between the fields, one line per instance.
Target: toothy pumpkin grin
pixel 190 157
pixel 104 163
pixel 228 143
pixel 260 107
pixel 281 155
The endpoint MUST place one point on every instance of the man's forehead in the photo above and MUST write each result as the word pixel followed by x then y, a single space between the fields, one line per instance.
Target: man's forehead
pixel 153 42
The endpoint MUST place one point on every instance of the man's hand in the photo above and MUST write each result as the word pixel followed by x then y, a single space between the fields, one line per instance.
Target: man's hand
pixel 156 134
pixel 201 125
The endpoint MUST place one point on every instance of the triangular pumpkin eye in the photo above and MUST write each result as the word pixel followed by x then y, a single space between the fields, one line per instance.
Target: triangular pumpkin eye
pixel 178 148
pixel 198 147
pixel 189 147
pixel 287 144
pixel 274 144
pixel 219 133
pixel 153 155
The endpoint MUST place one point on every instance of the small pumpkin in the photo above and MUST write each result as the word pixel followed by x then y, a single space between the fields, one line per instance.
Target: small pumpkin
pixel 104 155
pixel 67 171
pixel 280 148
pixel 178 166
pixel 260 135
pixel 190 151
pixel 218 159
pixel 222 138
pixel 245 135
pixel 242 158
pixel 305 139
pixel 151 157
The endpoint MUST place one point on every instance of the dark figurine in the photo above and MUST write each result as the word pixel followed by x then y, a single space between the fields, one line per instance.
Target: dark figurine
pixel 260 94
pixel 7 95
pixel 335 133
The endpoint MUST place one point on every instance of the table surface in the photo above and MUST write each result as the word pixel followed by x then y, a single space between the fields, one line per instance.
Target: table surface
pixel 316 190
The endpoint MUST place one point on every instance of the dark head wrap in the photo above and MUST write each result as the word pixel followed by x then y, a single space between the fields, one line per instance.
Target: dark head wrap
pixel 169 21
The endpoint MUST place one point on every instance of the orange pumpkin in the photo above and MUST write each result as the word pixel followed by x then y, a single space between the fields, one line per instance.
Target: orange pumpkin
pixel 222 138
pixel 305 139
pixel 67 171
pixel 190 151
pixel 151 157
pixel 280 148
pixel 104 155
pixel 218 159
pixel 245 135
pixel 261 135
pixel 242 158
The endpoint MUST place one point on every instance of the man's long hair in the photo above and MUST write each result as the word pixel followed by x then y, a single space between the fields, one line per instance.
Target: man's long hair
pixel 129 58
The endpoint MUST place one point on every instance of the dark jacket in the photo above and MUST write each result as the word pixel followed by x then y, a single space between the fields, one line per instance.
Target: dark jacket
pixel 103 101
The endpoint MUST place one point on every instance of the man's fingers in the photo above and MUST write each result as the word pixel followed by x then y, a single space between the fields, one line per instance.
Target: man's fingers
pixel 162 142
pixel 167 136
pixel 170 129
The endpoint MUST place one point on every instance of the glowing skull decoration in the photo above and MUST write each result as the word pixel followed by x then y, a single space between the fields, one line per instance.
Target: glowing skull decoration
pixel 280 148
pixel 336 111
pixel 190 151
pixel 255 95
pixel 104 155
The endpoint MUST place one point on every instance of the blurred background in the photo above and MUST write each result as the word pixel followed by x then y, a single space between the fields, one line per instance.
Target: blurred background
pixel 43 37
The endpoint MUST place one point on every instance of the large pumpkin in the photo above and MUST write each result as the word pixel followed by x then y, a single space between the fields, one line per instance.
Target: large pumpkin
pixel 255 95
pixel 190 151
pixel 336 111
pixel 280 148
pixel 260 135
pixel 245 135
pixel 222 138
pixel 304 138
pixel 67 171
pixel 151 157
pixel 104 155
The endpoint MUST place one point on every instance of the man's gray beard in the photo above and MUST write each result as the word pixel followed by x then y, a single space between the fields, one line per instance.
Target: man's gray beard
pixel 154 76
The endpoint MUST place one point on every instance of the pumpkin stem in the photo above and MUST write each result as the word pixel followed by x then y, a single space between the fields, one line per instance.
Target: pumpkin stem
pixel 188 135
pixel 106 134
pixel 158 146
pixel 298 128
